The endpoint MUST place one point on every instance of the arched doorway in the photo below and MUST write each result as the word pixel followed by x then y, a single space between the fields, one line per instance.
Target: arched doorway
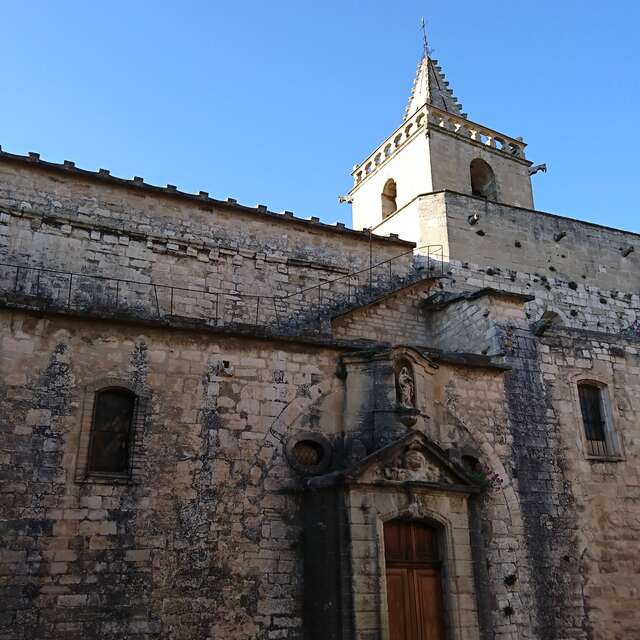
pixel 414 581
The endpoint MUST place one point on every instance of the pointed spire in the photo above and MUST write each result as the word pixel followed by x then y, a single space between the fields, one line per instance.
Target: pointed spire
pixel 430 85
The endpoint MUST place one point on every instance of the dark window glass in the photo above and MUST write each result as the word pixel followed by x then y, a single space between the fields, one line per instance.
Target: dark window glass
pixel 111 431
pixel 593 419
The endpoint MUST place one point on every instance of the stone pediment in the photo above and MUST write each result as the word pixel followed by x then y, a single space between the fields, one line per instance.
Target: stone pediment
pixel 414 458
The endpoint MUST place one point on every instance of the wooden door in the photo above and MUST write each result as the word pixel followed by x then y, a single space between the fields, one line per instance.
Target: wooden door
pixel 414 589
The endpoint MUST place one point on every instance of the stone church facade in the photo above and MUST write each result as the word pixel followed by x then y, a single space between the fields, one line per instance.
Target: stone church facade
pixel 219 421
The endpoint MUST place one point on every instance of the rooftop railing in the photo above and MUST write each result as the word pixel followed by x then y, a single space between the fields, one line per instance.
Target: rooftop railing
pixel 304 309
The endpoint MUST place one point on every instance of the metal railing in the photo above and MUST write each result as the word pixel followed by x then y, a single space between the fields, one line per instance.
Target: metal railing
pixel 64 290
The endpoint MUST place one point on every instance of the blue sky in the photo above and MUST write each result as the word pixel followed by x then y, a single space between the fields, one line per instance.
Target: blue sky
pixel 273 102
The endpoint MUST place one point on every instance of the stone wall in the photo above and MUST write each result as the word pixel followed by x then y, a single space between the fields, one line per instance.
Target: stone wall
pixel 511 241
pixel 578 304
pixel 451 157
pixel 567 520
pixel 396 318
pixel 206 541
pixel 226 255
pixel 471 322
pixel 522 240
pixel 605 495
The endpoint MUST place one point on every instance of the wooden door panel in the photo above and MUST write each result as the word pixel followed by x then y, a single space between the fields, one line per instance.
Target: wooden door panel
pixel 424 548
pixel 414 591
pixel 427 593
pixel 402 624
pixel 395 543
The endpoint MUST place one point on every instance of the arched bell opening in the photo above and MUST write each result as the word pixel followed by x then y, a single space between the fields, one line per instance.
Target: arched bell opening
pixel 389 195
pixel 483 180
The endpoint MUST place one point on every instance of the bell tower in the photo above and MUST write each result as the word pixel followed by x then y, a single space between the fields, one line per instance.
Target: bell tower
pixel 436 148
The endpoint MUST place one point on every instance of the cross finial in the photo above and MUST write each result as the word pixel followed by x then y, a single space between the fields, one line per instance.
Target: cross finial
pixel 426 50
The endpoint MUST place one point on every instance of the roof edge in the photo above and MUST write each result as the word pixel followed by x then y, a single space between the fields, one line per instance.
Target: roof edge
pixel 202 198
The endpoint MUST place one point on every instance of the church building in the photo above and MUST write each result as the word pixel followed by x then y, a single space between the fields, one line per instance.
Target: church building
pixel 224 422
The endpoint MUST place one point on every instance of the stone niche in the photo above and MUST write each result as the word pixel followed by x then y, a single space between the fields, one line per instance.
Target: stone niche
pixel 388 392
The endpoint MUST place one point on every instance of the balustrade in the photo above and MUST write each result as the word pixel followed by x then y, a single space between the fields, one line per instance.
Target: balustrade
pixel 431 116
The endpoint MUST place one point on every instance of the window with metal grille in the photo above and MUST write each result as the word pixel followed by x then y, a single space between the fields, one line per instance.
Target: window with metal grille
pixel 594 419
pixel 111 432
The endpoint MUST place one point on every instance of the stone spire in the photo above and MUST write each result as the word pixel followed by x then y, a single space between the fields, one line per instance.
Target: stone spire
pixel 431 87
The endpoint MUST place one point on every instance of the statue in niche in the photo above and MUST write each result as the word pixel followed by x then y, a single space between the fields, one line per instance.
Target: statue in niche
pixel 405 386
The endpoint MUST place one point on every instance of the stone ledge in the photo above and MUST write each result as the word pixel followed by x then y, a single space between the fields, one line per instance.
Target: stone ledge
pixel 181 323
pixel 443 299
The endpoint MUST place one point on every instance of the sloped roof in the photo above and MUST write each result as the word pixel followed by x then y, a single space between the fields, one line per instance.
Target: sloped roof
pixel 431 87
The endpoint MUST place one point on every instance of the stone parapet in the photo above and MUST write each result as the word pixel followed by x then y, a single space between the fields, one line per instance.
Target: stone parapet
pixel 428 117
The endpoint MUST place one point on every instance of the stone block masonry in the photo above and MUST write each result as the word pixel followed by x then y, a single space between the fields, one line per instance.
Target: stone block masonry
pixel 183 462
pixel 205 541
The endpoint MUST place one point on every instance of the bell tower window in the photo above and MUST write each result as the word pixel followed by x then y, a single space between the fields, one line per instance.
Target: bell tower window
pixel 483 180
pixel 389 198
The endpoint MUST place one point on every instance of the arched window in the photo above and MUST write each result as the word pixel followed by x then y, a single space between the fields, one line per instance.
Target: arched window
pixel 389 198
pixel 600 437
pixel 111 432
pixel 483 180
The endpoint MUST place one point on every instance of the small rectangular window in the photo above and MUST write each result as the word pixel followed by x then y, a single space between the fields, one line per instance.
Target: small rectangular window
pixel 109 451
pixel 599 436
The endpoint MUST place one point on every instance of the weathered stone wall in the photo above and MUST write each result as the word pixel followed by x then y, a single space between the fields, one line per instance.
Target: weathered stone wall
pixel 397 318
pixel 569 502
pixel 566 521
pixel 96 226
pixel 546 496
pixel 206 542
pixel 512 240
pixel 578 304
pixel 528 241
pixel 603 516
pixel 470 323
pixel 470 406
pixel 451 158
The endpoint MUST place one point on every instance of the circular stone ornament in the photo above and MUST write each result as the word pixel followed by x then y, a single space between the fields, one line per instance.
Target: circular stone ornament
pixel 309 453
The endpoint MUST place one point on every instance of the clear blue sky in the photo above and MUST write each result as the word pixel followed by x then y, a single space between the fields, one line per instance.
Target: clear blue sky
pixel 273 102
